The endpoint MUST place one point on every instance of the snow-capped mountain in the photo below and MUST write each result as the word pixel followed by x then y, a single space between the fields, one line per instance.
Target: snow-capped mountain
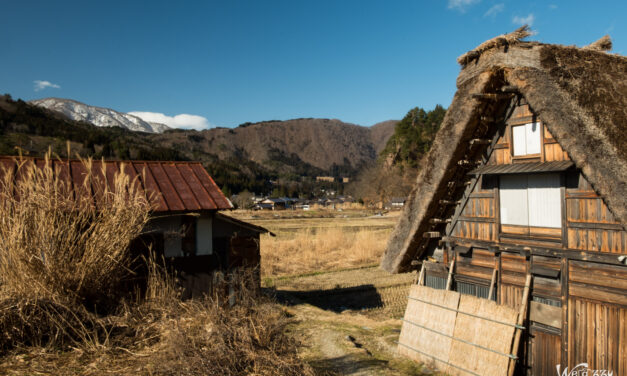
pixel 99 116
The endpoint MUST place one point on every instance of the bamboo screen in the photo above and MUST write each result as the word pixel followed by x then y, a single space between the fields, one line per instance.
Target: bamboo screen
pixel 458 334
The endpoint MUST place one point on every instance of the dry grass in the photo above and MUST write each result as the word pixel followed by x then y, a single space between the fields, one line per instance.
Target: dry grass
pixel 62 262
pixel 314 250
pixel 60 248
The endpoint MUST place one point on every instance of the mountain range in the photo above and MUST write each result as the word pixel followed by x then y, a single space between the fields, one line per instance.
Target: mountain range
pixel 98 116
pixel 253 156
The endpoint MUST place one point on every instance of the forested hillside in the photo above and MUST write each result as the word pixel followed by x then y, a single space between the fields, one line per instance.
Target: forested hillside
pixel 273 156
pixel 395 172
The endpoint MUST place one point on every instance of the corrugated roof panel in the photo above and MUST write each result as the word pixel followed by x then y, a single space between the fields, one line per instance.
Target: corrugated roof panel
pixel 166 187
pixel 111 168
pixel 202 196
pixel 133 178
pixel 6 166
pixel 82 187
pixel 151 188
pixel 62 172
pixel 172 186
pixel 211 187
pixel 523 168
pixel 181 187
pixel 98 181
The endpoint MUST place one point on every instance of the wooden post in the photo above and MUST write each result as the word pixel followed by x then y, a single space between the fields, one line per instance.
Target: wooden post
pixel 449 281
pixel 492 281
pixel 421 275
pixel 521 320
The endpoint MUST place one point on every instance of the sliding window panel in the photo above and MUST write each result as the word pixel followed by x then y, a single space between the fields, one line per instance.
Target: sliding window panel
pixel 532 138
pixel 519 136
pixel 513 200
pixel 544 200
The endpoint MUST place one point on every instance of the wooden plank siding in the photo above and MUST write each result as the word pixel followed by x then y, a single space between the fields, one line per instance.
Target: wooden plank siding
pixel 591 226
pixel 544 352
pixel 597 335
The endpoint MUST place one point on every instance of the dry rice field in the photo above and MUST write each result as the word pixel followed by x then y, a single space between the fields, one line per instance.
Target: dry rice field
pixel 307 244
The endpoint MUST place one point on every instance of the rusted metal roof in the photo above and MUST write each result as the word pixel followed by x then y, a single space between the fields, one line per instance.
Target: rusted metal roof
pixel 171 186
pixel 250 226
pixel 523 168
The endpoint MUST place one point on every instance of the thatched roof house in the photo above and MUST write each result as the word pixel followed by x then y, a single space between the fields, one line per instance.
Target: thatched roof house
pixel 579 94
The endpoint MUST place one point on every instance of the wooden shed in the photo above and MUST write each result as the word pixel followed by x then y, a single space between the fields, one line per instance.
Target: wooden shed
pixel 527 181
pixel 185 226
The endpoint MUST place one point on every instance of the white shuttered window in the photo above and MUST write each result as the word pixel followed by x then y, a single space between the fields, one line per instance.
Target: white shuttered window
pixel 531 200
pixel 526 139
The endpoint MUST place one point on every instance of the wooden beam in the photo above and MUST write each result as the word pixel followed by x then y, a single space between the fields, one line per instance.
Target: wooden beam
pixel 419 281
pixel 449 281
pixel 437 221
pixel 488 119
pixel 532 250
pixel 595 226
pixel 510 89
pixel 448 202
pixel 545 314
pixel 476 219
pixel 480 141
pixel 492 281
pixel 521 320
pixel 467 163
pixel 565 298
pixel 431 235
pixel 492 96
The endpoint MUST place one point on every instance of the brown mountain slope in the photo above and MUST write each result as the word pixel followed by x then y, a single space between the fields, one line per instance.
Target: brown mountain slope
pixel 321 143
pixel 381 132
pixel 253 156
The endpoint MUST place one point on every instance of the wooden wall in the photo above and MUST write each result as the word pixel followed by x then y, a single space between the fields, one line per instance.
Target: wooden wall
pixel 478 219
pixel 591 225
pixel 545 352
pixel 597 335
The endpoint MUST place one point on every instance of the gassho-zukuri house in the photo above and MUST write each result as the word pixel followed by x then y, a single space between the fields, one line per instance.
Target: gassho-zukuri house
pixel 516 224
pixel 186 225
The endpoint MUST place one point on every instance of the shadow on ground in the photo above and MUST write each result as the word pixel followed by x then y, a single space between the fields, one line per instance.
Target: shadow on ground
pixel 348 365
pixel 336 300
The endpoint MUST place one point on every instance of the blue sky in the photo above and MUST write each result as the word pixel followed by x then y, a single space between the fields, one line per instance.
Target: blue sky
pixel 231 62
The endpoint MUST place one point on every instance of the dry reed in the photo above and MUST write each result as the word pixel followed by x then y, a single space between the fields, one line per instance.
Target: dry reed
pixel 63 248
pixel 62 259
pixel 314 250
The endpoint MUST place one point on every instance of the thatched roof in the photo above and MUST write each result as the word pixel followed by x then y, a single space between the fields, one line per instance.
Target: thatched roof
pixel 580 94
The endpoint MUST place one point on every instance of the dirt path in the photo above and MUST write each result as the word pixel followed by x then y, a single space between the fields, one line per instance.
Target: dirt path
pixel 348 321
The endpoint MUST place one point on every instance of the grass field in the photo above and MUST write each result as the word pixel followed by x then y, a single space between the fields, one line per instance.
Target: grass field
pixel 331 241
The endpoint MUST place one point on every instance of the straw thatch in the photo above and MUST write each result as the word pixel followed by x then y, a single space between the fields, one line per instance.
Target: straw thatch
pixel 580 94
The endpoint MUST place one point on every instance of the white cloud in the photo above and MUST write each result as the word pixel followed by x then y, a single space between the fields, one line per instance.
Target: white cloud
pixel 552 6
pixel 461 5
pixel 185 121
pixel 519 20
pixel 494 10
pixel 40 85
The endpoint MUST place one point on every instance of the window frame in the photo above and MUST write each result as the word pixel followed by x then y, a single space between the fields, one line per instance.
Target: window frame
pixel 526 157
pixel 528 232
